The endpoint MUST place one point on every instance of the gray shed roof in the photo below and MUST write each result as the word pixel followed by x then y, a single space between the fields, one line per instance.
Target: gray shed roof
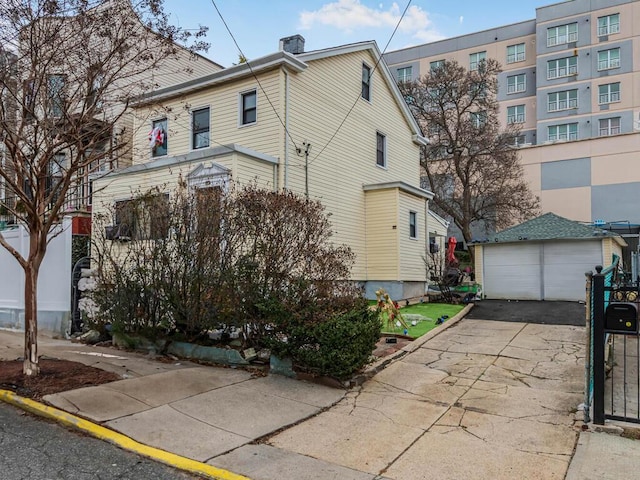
pixel 549 227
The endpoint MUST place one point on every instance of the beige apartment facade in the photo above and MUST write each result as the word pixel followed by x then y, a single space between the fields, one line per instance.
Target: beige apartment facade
pixel 571 79
pixel 330 124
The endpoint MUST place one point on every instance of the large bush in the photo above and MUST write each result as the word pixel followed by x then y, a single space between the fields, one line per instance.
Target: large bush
pixel 259 260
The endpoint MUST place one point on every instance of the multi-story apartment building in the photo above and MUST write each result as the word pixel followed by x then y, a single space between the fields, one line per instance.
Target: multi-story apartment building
pixel 570 78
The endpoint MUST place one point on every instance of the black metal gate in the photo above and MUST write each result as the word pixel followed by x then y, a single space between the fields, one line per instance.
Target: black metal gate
pixel 616 348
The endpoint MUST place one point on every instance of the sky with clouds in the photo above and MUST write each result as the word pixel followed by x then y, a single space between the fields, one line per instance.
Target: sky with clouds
pixel 257 25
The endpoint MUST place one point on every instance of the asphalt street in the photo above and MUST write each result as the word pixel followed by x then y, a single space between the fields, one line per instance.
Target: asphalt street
pixel 526 311
pixel 35 449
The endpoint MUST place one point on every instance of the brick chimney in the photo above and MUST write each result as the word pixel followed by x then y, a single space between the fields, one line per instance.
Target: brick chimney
pixel 293 44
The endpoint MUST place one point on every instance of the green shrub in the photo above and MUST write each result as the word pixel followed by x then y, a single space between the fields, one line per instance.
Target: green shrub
pixel 337 347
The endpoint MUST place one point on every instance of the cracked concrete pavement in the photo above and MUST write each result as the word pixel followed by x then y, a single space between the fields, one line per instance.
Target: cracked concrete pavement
pixel 482 400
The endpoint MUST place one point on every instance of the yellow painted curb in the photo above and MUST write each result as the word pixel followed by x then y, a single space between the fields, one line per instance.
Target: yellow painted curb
pixel 118 439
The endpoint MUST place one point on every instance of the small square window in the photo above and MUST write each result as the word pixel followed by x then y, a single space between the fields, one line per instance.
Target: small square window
pixel 413 225
pixel 249 108
pixel 475 59
pixel 366 82
pixel 381 150
pixel 158 138
pixel 515 53
pixel 405 74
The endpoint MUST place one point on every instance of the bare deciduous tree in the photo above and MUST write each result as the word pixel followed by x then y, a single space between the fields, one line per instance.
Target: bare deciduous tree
pixel 471 163
pixel 70 70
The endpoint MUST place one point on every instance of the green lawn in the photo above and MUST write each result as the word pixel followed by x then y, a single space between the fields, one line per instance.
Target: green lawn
pixel 428 312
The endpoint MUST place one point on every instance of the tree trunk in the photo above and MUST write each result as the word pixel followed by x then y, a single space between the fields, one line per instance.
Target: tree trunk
pixel 31 368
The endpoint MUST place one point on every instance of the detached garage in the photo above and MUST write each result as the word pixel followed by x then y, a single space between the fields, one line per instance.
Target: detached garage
pixel 543 259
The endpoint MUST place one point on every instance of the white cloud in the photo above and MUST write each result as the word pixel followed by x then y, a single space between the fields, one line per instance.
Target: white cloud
pixel 351 15
pixel 461 19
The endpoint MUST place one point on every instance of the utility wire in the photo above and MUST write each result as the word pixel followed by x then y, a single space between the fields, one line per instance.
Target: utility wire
pixel 253 73
pixel 360 93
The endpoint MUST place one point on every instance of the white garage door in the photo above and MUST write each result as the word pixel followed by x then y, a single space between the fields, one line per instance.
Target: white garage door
pixel 539 271
pixel 513 271
pixel 565 265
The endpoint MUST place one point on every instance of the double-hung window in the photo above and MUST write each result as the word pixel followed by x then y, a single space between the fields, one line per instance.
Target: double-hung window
pixel 515 114
pixel 405 74
pixel 608 126
pixel 519 140
pixel 248 102
pixel 567 131
pixel 609 93
pixel 608 25
pixel 516 83
pixel 608 59
pixel 366 82
pixel 562 34
pixel 55 90
pixel 413 225
pixel 381 150
pixel 158 138
pixel 562 67
pixel 200 128
pixel 564 100
pixel 515 53
pixel 475 59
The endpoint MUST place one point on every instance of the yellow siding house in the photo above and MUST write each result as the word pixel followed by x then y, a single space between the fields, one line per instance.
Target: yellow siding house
pixel 330 124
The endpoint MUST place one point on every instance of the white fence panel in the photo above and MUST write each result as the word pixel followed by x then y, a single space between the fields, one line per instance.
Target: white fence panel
pixel 54 283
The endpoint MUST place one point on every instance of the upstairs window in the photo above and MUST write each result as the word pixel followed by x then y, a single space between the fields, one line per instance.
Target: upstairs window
pixel 436 65
pixel 381 150
pixel 405 74
pixel 608 126
pixel 608 59
pixel 562 34
pixel 515 53
pixel 55 92
pixel 567 131
pixel 200 128
pixel 564 100
pixel 158 138
pixel 562 67
pixel 608 25
pixel 475 59
pixel 609 93
pixel 366 82
pixel 413 225
pixel 515 114
pixel 478 119
pixel 248 106
pixel 516 83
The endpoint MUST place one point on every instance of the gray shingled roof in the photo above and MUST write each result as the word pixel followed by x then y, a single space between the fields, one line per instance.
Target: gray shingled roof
pixel 549 227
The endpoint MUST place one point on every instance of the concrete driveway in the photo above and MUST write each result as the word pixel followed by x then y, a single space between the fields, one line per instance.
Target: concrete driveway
pixel 482 400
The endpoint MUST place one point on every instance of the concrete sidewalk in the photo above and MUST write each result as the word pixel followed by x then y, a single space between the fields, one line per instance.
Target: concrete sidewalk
pixel 480 400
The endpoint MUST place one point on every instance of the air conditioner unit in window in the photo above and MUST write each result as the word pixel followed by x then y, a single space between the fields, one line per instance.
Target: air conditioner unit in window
pixel 121 232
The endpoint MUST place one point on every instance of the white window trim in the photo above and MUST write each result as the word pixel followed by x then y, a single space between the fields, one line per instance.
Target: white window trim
pixel 609 95
pixel 241 107
pixel 404 69
pixel 571 103
pixel 473 65
pixel 609 28
pixel 516 84
pixel 384 151
pixel 517 56
pixel 166 133
pixel 610 63
pixel 558 136
pixel 609 130
pixel 195 109
pixel 415 216
pixel 569 37
pixel 370 99
pixel 570 70
pixel 517 117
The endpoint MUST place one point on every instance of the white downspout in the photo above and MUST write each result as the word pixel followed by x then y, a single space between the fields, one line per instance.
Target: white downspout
pixel 286 129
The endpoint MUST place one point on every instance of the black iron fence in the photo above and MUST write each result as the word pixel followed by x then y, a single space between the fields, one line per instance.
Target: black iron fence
pixel 615 347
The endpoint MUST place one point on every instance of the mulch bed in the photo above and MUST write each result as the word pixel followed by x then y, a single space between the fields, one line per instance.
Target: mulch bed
pixel 55 376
